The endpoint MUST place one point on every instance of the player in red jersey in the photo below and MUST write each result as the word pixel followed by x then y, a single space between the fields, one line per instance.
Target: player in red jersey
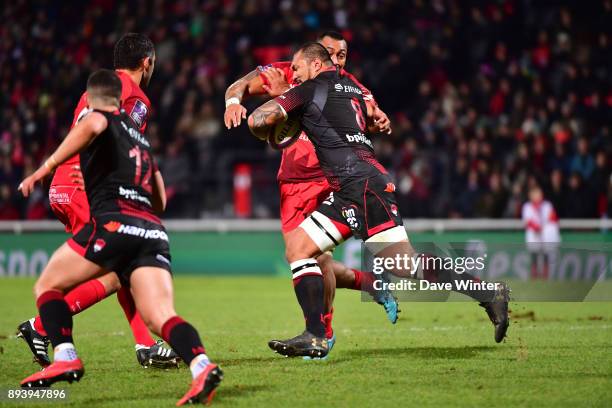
pixel 134 56
pixel 123 235
pixel 302 183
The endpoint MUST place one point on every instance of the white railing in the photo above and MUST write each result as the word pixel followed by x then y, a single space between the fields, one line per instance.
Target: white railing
pixel 412 225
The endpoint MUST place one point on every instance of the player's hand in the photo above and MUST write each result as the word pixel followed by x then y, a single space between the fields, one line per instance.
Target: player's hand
pixel 77 177
pixel 276 79
pixel 234 114
pixel 381 121
pixel 27 185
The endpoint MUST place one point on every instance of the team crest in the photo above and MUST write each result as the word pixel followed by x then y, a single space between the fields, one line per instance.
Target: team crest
pixel 99 245
pixel 139 113
pixel 394 209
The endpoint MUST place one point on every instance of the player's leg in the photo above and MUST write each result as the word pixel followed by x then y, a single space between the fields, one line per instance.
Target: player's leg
pixel 69 204
pixel 316 235
pixel 78 299
pixel 149 353
pixel 298 201
pixel 326 263
pixel 152 290
pixel 348 278
pixel 86 295
pixel 495 302
pixel 301 253
pixel 66 269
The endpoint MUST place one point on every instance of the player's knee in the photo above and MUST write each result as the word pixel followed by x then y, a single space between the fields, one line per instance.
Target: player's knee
pixel 299 246
pixel 43 285
pixel 111 283
pixel 294 253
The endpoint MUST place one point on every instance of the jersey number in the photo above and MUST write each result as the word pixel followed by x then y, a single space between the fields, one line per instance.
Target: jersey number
pixel 359 117
pixel 142 157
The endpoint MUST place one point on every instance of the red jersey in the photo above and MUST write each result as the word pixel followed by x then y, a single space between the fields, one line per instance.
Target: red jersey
pixel 133 101
pixel 299 161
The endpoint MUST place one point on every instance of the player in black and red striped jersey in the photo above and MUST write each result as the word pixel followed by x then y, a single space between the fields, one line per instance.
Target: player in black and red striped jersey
pixel 134 62
pixel 333 113
pixel 124 235
pixel 302 184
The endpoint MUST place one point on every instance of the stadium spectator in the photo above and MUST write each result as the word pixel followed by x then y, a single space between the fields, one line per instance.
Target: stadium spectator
pixel 542 234
pixel 471 123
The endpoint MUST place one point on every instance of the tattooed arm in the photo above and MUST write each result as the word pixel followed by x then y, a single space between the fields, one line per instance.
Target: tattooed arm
pixel 265 117
pixel 234 111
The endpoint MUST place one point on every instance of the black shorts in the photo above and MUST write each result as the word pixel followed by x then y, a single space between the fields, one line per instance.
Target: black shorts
pixel 362 209
pixel 122 243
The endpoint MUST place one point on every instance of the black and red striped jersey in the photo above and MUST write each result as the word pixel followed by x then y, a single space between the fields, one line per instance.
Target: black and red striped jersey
pixel 333 114
pixel 118 168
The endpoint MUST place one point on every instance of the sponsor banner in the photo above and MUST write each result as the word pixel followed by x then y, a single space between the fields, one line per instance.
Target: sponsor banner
pixel 262 253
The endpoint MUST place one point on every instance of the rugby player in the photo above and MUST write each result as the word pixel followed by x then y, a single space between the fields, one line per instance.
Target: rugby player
pixel 134 61
pixel 334 115
pixel 124 190
pixel 302 183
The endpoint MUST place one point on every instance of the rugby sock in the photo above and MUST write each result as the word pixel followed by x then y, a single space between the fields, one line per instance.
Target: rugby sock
pixel 64 352
pixel 364 281
pixel 55 316
pixel 79 299
pixel 183 338
pixel 308 286
pixel 37 325
pixel 329 331
pixel 198 364
pixel 139 328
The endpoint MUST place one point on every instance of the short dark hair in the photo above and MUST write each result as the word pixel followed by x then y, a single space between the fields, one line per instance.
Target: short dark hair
pixel 314 50
pixel 105 84
pixel 131 49
pixel 332 34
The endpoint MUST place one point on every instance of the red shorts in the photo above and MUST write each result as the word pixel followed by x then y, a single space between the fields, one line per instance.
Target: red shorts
pixel 299 199
pixel 70 206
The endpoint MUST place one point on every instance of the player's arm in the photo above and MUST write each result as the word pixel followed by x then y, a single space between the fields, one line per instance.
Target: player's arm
pixel 266 117
pixel 277 110
pixel 251 84
pixel 77 139
pixel 159 193
pixel 271 80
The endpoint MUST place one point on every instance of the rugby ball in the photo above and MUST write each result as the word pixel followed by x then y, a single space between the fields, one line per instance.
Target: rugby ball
pixel 284 134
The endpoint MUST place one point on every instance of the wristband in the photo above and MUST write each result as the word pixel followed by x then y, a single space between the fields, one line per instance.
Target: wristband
pixel 232 101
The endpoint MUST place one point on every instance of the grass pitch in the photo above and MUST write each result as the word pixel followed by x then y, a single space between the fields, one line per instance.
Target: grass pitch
pixel 438 354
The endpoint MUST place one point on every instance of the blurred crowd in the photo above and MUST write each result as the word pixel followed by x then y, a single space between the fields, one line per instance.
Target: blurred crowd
pixel 485 101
